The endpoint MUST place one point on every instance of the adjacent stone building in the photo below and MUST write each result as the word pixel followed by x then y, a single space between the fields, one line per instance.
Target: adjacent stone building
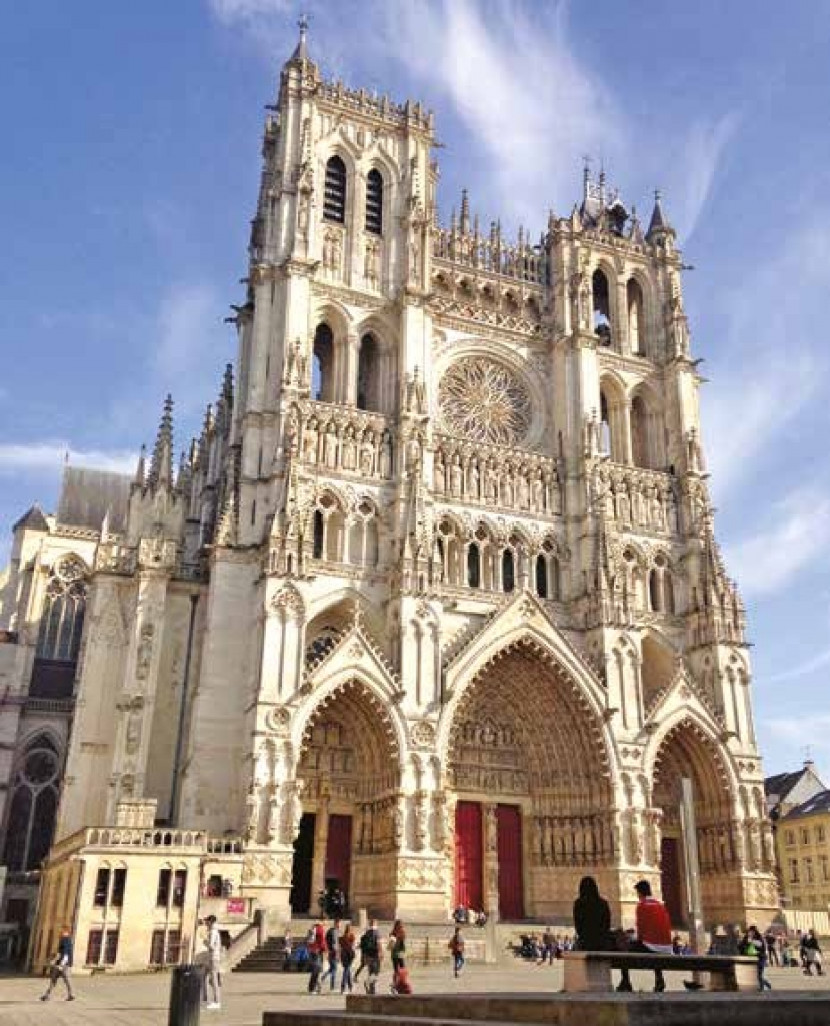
pixel 432 610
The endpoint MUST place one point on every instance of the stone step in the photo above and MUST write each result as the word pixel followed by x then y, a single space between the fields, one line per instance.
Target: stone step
pixel 671 1009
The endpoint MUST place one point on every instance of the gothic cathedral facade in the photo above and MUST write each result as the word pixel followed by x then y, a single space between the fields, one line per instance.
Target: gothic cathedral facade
pixel 432 611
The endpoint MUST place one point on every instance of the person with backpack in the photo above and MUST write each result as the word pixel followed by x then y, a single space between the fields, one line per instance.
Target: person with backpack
pixel 347 943
pixel 315 943
pixel 456 946
pixel 369 945
pixel 332 945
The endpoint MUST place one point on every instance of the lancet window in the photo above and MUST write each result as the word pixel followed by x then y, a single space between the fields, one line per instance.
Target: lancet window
pixel 34 803
pixel 334 202
pixel 602 307
pixel 322 365
pixel 374 202
pixel 634 295
pixel 62 619
pixel 368 374
pixel 661 587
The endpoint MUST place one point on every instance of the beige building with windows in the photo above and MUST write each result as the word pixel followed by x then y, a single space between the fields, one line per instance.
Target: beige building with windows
pixel 432 611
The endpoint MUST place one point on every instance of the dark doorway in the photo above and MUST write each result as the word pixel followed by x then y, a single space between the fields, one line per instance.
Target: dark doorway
pixel 339 855
pixel 509 836
pixel 468 855
pixel 301 867
pixel 671 880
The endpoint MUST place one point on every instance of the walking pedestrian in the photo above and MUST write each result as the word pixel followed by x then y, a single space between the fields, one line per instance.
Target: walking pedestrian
pixel 315 946
pixel 772 947
pixel 812 954
pixel 754 944
pixel 213 975
pixel 456 947
pixel 347 943
pixel 397 949
pixel 61 966
pixel 332 942
pixel 370 954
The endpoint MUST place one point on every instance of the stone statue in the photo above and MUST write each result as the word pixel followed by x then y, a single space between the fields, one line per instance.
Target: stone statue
pixel 330 447
pixel 312 437
pixel 439 473
pixel 473 476
pixel 349 449
pixel 386 454
pixel 456 477
pixel 367 454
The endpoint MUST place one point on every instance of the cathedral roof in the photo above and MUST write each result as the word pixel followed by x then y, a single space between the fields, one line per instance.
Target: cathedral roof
pixel 87 496
pixel 34 518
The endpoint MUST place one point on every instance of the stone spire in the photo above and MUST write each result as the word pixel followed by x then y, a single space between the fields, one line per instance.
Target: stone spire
pixel 659 224
pixel 141 468
pixel 161 467
pixel 465 212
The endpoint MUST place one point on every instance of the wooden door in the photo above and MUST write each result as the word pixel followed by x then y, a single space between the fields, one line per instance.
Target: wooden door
pixel 468 855
pixel 511 883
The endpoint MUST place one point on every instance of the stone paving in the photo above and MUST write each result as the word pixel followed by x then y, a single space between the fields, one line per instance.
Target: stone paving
pixel 142 1000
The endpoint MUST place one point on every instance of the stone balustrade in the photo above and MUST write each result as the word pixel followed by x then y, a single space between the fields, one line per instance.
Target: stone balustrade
pixel 490 254
pixel 196 841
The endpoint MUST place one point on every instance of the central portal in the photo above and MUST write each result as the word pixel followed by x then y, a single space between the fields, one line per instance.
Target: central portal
pixel 534 807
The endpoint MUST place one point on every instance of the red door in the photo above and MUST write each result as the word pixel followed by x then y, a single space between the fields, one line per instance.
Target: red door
pixel 339 853
pixel 511 884
pixel 670 880
pixel 468 860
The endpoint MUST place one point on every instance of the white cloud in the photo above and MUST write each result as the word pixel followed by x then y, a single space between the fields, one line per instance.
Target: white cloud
pixel 701 155
pixel 47 455
pixel 193 343
pixel 247 10
pixel 744 412
pixel 798 535
pixel 519 89
pixel 812 730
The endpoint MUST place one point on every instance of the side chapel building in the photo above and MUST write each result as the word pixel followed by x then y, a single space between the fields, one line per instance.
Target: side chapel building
pixel 433 607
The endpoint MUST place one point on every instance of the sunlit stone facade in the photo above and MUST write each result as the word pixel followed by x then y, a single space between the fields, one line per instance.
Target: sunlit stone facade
pixel 433 608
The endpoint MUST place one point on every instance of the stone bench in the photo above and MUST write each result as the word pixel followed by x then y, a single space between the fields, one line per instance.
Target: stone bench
pixel 591 970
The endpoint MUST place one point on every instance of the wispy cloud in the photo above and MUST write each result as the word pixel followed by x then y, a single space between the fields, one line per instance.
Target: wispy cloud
pixel 49 455
pixel 798 535
pixel 518 87
pixel 701 157
pixel 812 730
pixel 193 343
pixel 248 10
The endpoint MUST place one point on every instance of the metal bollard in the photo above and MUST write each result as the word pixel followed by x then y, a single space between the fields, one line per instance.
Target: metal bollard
pixel 185 995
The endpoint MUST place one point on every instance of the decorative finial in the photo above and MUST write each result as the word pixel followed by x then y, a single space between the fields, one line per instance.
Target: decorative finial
pixel 465 212
pixel 301 52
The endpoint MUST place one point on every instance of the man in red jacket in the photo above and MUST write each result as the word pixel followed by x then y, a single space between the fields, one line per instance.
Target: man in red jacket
pixel 653 932
pixel 316 945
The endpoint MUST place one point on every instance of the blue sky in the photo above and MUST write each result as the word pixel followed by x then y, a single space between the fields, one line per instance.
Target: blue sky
pixel 129 174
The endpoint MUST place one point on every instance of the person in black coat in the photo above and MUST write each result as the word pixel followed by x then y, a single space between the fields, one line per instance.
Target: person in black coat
pixel 592 918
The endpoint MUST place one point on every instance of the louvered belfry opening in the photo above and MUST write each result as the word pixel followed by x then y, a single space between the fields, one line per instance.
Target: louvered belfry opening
pixel 334 205
pixel 374 202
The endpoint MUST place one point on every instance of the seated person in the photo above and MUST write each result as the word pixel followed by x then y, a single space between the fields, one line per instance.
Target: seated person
pixel 653 933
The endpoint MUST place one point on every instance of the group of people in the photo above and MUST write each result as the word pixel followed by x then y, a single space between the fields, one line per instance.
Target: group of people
pixel 545 947
pixel 334 950
pixel 461 914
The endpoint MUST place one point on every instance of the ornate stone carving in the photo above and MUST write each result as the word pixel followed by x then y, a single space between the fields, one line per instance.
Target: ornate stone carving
pixel 422 734
pixel 278 719
pixel 485 401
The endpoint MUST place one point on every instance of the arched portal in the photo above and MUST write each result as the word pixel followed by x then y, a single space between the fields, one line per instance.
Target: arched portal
pixel 349 774
pixel 687 751
pixel 527 765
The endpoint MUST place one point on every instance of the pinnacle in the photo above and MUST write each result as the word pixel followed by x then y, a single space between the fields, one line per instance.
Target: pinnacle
pixel 161 467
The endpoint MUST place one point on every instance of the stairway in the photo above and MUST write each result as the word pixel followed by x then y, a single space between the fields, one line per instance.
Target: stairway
pixel 267 958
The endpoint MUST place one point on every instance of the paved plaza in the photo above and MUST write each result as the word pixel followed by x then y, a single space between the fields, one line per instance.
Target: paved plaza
pixel 141 1000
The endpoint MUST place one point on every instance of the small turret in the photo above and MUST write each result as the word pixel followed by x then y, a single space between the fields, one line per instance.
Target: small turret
pixel 465 212
pixel 659 226
pixel 141 468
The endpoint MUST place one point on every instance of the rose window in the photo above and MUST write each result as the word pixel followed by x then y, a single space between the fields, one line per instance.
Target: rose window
pixel 485 401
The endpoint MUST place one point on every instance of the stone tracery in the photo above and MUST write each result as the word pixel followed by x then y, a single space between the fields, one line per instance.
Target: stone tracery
pixel 483 400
